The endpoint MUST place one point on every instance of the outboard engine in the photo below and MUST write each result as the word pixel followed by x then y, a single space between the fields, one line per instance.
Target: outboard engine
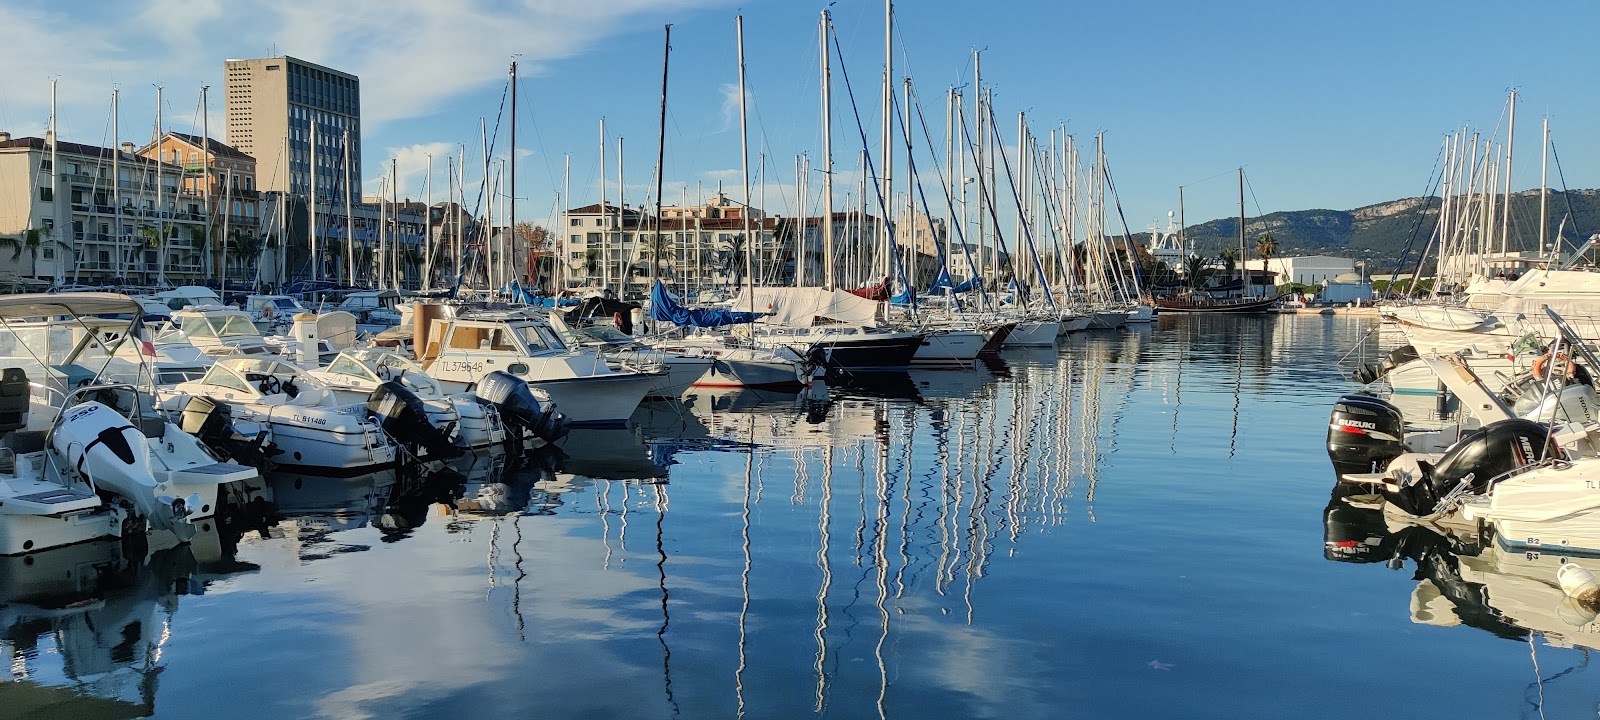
pixel 103 448
pixel 519 408
pixel 404 417
pixel 1396 357
pixel 212 423
pixel 1575 403
pixel 1364 434
pixel 1480 456
pixel 1355 535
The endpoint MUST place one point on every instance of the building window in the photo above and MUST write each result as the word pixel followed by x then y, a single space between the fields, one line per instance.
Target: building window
pixel 576 222
pixel 46 194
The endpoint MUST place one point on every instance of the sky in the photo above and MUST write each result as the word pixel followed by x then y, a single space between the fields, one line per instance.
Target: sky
pixel 1325 105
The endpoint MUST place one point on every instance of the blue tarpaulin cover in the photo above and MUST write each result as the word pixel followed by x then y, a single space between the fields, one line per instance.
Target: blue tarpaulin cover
pixel 664 309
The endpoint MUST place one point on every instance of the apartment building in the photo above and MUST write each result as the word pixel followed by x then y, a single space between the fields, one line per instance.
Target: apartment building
pixel 300 121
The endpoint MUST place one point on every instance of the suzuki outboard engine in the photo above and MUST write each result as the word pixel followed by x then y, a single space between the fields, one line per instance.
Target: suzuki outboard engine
pixel 1364 434
pixel 212 423
pixel 403 417
pixel 1480 456
pixel 1355 535
pixel 519 408
pixel 1396 357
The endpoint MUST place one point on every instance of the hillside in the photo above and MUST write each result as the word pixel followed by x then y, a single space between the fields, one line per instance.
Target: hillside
pixel 1383 229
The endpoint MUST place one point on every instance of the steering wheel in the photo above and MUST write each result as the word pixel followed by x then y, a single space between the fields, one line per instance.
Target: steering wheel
pixel 270 385
pixel 385 373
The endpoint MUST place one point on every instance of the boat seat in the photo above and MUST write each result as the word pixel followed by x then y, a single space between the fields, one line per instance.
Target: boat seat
pixel 14 394
pixel 23 442
pixel 153 427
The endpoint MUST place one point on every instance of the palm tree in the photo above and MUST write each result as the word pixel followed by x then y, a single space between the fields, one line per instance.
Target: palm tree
pixel 1266 246
pixel 246 247
pixel 731 259
pixel 1195 271
pixel 591 263
pixel 31 240
pixel 659 245
pixel 1230 261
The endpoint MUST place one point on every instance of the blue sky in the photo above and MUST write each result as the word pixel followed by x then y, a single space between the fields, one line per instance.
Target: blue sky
pixel 1327 105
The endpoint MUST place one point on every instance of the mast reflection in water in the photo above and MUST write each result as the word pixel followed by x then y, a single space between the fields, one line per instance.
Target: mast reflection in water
pixel 1120 527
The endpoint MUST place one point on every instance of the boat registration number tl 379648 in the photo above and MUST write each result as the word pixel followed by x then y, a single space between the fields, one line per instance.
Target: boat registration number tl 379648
pixel 461 366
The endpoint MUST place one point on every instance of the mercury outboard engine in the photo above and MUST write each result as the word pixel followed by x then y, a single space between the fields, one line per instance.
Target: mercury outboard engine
pixel 212 423
pixel 1480 456
pixel 1396 357
pixel 519 408
pixel 1364 434
pixel 404 417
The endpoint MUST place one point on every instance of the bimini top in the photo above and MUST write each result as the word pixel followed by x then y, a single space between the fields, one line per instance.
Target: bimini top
pixel 43 305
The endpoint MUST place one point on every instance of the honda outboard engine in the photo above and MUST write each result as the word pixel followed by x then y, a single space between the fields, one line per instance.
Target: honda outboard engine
pixel 519 408
pixel 1575 403
pixel 1396 357
pixel 1480 456
pixel 212 423
pixel 403 417
pixel 1364 434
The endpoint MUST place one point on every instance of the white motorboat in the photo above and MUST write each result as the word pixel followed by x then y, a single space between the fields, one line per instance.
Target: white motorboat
pixel 295 417
pixel 69 422
pixel 273 314
pixel 162 304
pixel 680 369
pixel 739 363
pixel 375 310
pixel 581 381
pixel 355 375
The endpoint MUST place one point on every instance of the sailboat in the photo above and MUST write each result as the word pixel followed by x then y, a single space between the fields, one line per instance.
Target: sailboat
pixel 1194 302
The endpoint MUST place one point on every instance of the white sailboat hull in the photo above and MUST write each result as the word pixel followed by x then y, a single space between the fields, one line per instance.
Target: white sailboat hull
pixel 950 347
pixel 1034 334
pixel 598 399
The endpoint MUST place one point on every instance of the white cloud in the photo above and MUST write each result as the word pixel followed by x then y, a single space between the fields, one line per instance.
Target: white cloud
pixel 411 168
pixel 730 105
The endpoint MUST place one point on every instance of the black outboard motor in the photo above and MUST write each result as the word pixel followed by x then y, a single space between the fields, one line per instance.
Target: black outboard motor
pixel 1364 434
pixel 519 408
pixel 403 417
pixel 1355 535
pixel 1396 357
pixel 212 423
pixel 1477 458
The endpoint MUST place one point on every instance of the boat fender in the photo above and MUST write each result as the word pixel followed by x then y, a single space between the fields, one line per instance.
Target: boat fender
pixel 1580 585
pixel 1541 365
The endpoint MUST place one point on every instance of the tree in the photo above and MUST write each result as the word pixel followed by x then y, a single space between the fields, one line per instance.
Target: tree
pixel 659 245
pixel 591 264
pixel 1266 245
pixel 731 259
pixel 1230 260
pixel 31 240
pixel 1195 271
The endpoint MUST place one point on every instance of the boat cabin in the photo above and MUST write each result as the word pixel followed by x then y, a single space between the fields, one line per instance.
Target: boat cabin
pixel 518 342
pixel 365 369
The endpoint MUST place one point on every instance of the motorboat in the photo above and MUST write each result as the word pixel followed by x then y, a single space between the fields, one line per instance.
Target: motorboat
pixel 199 334
pixel 294 418
pixel 739 363
pixel 356 374
pixel 161 305
pixel 1034 333
pixel 680 368
pixel 273 314
pixel 81 419
pixel 582 382
pixel 375 310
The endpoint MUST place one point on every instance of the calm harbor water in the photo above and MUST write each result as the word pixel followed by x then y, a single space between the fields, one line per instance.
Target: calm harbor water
pixel 1130 526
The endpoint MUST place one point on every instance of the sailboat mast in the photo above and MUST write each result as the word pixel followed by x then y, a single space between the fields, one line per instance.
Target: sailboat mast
pixel 116 183
pixel 161 213
pixel 661 154
pixel 566 186
pixel 311 207
pixel 487 258
pixel 888 145
pixel 605 214
pixel 349 215
pixel 744 164
pixel 427 226
pixel 622 228
pixel 1544 187
pixel 394 214
pixel 1511 144
pixel 827 160
pixel 205 173
pixel 1241 234
pixel 511 183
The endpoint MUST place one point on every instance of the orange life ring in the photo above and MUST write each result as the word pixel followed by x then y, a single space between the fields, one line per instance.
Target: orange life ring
pixel 1541 363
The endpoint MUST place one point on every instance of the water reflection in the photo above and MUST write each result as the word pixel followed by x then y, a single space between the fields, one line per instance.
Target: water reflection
pixel 1030 538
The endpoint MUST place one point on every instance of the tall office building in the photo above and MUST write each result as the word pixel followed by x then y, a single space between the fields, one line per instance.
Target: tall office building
pixel 272 103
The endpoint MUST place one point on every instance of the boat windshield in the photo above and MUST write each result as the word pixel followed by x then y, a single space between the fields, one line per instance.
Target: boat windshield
pixel 221 327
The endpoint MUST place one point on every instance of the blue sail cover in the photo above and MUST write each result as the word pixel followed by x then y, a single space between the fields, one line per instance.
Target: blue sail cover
pixel 664 309
pixel 943 284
